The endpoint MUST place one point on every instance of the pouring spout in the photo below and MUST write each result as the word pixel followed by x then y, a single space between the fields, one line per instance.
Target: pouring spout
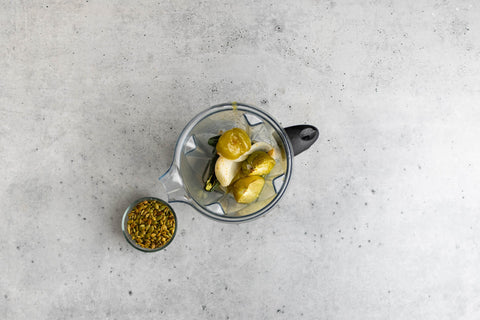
pixel 173 184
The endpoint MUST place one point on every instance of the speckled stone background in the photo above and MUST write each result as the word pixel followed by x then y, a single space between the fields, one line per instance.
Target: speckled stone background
pixel 381 219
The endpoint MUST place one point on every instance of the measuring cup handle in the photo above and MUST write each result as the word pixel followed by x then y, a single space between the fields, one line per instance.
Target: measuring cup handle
pixel 302 137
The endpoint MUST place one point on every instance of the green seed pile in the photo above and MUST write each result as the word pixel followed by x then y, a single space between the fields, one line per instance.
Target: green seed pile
pixel 151 224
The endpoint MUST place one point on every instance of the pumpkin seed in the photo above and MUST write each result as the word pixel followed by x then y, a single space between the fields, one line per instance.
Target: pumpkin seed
pixel 151 224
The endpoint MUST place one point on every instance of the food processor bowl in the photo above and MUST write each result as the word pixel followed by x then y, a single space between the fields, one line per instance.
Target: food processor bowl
pixel 185 179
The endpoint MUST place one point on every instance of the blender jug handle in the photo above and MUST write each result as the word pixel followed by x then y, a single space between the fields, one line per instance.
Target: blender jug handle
pixel 173 184
pixel 302 137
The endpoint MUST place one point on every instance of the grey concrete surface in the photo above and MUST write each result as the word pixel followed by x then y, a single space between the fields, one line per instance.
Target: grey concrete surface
pixel 381 219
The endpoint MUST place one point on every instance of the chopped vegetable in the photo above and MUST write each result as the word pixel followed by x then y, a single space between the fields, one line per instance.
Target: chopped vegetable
pixel 233 143
pixel 212 181
pixel 247 189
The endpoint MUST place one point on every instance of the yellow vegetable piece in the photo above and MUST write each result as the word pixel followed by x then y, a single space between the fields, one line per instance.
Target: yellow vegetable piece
pixel 233 143
pixel 259 163
pixel 246 190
